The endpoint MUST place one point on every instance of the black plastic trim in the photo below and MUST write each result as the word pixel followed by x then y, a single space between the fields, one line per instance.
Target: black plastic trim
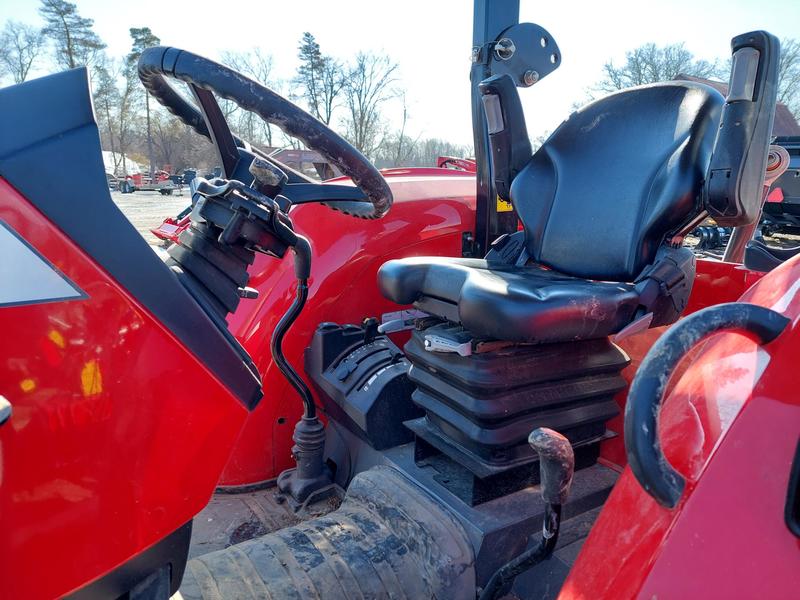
pixel 221 135
pixel 50 137
pixel 645 456
pixel 172 551
pixel 792 513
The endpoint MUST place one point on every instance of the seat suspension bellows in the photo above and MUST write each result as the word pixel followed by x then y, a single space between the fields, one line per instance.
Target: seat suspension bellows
pixel 479 409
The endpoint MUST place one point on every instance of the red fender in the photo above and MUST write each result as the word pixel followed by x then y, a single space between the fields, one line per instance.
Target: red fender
pixel 730 427
pixel 102 457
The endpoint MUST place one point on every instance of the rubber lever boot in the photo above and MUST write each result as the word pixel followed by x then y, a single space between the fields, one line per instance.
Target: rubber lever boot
pixel 311 473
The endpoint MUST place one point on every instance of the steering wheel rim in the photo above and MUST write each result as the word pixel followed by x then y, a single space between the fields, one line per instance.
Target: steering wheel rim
pixel 155 64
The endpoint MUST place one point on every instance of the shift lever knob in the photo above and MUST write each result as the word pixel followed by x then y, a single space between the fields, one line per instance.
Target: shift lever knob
pixel 556 463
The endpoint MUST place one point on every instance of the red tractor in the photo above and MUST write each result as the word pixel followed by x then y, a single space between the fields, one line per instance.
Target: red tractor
pixel 460 164
pixel 463 409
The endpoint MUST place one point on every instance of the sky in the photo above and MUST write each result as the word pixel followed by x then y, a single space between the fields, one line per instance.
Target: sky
pixel 431 40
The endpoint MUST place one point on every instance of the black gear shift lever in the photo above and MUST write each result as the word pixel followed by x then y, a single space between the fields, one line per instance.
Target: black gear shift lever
pixel 556 466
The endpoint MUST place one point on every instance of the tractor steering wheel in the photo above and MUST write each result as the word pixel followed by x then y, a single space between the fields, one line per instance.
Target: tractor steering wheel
pixel 204 76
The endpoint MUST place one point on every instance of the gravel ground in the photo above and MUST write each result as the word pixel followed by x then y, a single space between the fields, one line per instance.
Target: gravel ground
pixel 147 210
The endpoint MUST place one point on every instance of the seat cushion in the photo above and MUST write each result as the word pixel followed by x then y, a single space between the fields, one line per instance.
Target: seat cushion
pixel 503 302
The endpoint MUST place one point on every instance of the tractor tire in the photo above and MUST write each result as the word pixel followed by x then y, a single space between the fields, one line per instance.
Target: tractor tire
pixel 388 540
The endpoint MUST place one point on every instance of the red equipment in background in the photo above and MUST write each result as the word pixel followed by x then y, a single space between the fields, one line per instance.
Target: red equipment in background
pixel 140 179
pixel 460 164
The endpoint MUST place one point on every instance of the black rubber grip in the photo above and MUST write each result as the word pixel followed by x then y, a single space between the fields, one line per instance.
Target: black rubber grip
pixel 645 456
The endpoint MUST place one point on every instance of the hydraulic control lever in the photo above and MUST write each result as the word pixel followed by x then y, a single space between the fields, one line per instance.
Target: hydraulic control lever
pixel 556 467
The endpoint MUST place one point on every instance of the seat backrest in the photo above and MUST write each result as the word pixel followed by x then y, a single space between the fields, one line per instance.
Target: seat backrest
pixel 600 195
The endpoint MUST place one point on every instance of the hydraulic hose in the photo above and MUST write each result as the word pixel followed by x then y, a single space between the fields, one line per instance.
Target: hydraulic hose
pixel 309 409
pixel 302 267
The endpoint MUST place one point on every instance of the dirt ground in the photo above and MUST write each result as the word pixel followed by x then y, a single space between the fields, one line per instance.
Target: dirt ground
pixel 147 210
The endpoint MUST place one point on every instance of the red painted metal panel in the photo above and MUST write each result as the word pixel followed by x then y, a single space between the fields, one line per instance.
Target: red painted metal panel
pixel 103 455
pixel 730 426
pixel 716 282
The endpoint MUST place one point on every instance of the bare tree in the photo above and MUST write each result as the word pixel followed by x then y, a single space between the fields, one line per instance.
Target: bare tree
pixel 172 140
pixel 398 149
pixel 650 64
pixel 20 45
pixel 319 79
pixel 106 102
pixel 142 39
pixel 127 115
pixel 74 42
pixel 368 85
pixel 419 152
pixel 789 75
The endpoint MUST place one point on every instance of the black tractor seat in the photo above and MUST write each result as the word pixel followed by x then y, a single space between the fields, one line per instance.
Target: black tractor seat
pixel 520 304
pixel 600 202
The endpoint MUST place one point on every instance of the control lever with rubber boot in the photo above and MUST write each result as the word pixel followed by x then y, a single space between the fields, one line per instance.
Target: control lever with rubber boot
pixel 556 466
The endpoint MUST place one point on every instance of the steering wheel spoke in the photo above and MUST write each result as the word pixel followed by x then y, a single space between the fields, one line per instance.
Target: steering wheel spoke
pixel 217 126
pixel 304 193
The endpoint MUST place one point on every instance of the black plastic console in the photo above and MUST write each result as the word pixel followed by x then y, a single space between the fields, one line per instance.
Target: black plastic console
pixel 365 382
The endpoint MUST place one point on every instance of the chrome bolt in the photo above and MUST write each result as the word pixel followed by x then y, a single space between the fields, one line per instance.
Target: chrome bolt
pixel 530 77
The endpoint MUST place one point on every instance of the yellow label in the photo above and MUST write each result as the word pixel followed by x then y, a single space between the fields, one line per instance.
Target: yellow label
pixel 503 206
pixel 91 379
pixel 56 338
